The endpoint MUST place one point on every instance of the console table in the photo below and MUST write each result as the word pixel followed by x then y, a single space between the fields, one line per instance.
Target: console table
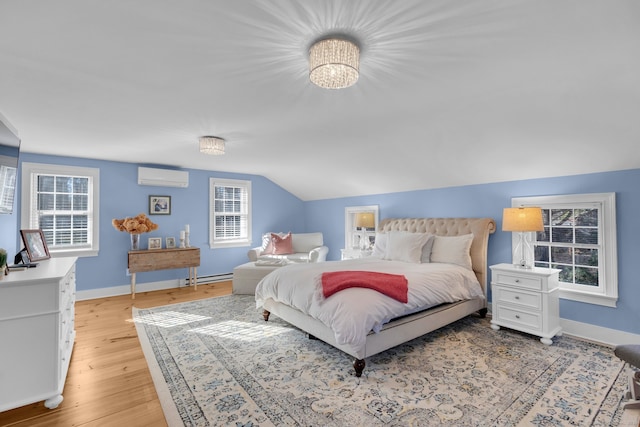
pixel 163 259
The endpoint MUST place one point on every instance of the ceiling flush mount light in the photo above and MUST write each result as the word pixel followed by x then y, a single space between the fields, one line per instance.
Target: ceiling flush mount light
pixel 212 145
pixel 334 63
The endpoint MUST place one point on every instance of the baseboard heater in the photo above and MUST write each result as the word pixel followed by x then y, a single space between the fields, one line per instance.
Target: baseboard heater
pixel 211 279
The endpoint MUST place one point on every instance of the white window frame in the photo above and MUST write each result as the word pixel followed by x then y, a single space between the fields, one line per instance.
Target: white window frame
pixel 352 235
pixel 8 175
pixel 30 171
pixel 607 292
pixel 244 240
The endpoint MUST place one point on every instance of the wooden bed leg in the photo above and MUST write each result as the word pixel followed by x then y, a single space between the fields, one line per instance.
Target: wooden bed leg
pixel 265 315
pixel 358 365
pixel 483 312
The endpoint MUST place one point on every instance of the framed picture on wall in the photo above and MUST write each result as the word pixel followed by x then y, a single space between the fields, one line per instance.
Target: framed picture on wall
pixel 159 205
pixel 35 244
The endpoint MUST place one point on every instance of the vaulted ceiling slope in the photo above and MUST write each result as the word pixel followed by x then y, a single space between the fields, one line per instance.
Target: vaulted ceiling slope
pixel 450 93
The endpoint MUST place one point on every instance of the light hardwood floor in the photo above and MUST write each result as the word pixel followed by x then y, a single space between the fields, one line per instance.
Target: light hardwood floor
pixel 109 383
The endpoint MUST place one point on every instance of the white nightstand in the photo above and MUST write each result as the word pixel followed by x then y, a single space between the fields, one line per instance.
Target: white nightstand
pixel 526 300
pixel 354 253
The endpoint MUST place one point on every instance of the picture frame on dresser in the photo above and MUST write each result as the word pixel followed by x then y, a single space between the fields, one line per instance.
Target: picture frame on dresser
pixel 35 244
pixel 155 243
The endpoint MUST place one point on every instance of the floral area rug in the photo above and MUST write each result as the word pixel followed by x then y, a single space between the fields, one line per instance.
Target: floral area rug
pixel 217 362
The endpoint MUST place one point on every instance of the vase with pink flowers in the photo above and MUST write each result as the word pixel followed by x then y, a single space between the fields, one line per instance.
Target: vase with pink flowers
pixel 135 226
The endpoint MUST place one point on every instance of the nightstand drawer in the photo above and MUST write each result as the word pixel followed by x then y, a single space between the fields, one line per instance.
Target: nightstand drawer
pixel 528 282
pixel 529 300
pixel 531 321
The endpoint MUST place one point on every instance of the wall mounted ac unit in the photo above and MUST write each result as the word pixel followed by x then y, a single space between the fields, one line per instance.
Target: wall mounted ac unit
pixel 163 177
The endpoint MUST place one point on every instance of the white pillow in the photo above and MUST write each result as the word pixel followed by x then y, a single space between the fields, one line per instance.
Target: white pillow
pixel 405 246
pixel 380 245
pixel 426 249
pixel 453 250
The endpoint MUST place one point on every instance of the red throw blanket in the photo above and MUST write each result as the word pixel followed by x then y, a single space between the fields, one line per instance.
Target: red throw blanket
pixel 392 285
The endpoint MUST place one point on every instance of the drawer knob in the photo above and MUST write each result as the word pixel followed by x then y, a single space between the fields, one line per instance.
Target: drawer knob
pixel 517 316
pixel 517 297
pixel 517 280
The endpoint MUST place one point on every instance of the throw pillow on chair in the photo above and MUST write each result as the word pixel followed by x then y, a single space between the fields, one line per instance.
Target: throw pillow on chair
pixel 282 245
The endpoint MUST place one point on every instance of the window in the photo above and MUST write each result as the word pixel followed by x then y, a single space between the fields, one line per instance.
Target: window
pixel 352 233
pixel 579 238
pixel 230 207
pixel 7 188
pixel 63 202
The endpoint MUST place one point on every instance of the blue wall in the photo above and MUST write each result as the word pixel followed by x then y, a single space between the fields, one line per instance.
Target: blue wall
pixel 274 209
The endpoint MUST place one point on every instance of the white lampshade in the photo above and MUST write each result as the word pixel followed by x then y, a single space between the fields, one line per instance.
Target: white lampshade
pixel 522 219
pixel 334 63
pixel 212 145
pixel 364 220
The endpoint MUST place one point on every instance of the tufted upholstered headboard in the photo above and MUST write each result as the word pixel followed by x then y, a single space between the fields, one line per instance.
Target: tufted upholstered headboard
pixel 480 227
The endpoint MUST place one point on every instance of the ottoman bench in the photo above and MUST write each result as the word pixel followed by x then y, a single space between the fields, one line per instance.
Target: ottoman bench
pixel 247 276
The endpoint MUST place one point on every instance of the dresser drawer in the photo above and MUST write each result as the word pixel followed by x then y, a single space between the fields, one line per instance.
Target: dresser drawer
pixel 524 299
pixel 67 320
pixel 528 282
pixel 527 320
pixel 67 287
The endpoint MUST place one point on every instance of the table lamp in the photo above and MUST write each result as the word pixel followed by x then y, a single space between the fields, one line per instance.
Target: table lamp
pixel 364 220
pixel 522 220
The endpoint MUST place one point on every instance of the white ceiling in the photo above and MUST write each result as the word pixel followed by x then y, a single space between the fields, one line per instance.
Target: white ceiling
pixel 450 92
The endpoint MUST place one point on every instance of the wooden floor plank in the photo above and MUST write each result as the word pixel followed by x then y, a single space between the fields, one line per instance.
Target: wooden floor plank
pixel 109 383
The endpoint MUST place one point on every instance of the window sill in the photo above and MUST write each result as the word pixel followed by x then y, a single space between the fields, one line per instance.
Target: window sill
pixel 80 253
pixel 234 244
pixel 589 298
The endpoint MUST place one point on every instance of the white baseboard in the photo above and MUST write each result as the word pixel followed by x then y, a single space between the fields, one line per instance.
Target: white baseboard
pixel 126 289
pixel 597 334
pixel 607 336
pixel 114 291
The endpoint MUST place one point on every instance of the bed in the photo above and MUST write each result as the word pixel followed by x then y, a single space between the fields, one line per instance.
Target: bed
pixel 294 292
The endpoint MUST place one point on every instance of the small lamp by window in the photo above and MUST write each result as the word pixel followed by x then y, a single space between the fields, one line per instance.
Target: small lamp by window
pixel 364 220
pixel 522 220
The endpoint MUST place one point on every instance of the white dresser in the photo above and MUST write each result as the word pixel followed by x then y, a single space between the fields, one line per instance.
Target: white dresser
pixel 526 300
pixel 36 332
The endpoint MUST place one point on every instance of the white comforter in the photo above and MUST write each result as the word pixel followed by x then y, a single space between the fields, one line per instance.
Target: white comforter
pixel 353 312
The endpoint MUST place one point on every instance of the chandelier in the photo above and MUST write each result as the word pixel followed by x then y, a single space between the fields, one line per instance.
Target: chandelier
pixel 212 145
pixel 334 63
